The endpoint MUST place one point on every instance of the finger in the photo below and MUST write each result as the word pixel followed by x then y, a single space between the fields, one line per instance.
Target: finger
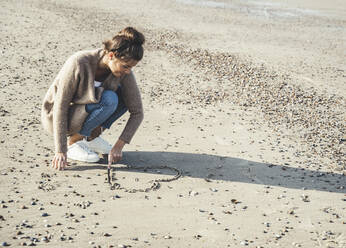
pixel 55 163
pixel 58 163
pixel 64 163
pixel 61 163
pixel 110 159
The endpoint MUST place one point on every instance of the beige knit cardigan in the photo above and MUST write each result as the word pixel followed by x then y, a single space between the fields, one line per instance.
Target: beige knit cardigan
pixel 63 109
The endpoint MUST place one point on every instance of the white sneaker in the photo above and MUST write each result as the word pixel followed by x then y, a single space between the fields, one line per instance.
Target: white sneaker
pixel 99 145
pixel 79 151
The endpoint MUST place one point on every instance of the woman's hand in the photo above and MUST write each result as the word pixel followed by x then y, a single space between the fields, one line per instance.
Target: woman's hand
pixel 116 153
pixel 59 161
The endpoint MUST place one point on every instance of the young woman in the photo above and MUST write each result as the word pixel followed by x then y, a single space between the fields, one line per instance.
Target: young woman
pixel 91 91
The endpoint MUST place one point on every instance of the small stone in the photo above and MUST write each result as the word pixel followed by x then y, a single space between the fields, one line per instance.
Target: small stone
pixel 167 237
pixel 193 193
pixel 244 242
pixel 305 198
pixel 4 244
pixel 45 214
pixel 106 235
pixel 235 201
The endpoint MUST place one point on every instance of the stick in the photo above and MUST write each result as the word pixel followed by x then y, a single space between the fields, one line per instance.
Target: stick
pixel 109 174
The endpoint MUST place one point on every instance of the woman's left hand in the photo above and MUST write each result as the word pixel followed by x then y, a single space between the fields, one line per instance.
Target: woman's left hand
pixel 116 154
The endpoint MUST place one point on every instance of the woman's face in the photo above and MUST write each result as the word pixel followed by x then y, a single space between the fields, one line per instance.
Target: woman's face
pixel 120 67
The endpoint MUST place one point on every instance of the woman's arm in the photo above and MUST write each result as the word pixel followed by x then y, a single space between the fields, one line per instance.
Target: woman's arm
pixel 133 101
pixel 66 86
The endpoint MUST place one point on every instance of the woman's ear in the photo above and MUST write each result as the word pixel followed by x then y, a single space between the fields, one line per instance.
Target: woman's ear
pixel 111 55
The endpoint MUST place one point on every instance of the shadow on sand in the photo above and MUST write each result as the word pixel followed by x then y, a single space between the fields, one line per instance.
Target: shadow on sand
pixel 229 169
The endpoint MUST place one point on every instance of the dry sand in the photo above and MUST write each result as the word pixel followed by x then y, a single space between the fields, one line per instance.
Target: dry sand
pixel 245 98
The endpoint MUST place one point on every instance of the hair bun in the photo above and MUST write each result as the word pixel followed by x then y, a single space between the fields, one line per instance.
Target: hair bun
pixel 127 44
pixel 132 35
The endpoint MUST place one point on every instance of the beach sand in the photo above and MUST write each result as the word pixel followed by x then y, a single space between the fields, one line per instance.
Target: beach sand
pixel 246 99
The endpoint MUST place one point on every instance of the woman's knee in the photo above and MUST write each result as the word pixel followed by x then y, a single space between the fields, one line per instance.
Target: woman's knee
pixel 110 99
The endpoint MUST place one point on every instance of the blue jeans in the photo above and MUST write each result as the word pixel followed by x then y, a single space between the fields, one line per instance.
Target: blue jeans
pixel 110 108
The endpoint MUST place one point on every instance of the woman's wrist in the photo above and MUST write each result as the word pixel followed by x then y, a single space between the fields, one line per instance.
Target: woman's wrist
pixel 120 144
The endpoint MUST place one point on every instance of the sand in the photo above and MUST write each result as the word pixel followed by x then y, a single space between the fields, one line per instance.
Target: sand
pixel 245 98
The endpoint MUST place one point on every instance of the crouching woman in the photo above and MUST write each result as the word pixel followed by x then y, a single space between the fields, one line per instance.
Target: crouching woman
pixel 92 90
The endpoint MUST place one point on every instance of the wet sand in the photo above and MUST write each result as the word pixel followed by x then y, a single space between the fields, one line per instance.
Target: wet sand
pixel 245 99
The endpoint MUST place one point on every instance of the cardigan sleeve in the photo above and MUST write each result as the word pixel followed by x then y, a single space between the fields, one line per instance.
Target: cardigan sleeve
pixel 133 102
pixel 66 86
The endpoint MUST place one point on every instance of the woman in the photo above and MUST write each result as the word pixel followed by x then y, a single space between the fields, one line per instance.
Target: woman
pixel 91 91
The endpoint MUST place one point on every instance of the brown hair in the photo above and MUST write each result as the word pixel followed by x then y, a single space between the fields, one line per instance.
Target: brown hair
pixel 126 45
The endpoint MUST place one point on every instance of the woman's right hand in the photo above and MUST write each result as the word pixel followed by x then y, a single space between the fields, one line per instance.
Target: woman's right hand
pixel 59 161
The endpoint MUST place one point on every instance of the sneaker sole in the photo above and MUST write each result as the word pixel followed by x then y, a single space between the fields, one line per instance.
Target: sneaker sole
pixel 85 160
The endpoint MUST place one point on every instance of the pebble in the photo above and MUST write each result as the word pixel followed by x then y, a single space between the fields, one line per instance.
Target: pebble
pixel 305 198
pixel 235 201
pixel 193 193
pixel 244 242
